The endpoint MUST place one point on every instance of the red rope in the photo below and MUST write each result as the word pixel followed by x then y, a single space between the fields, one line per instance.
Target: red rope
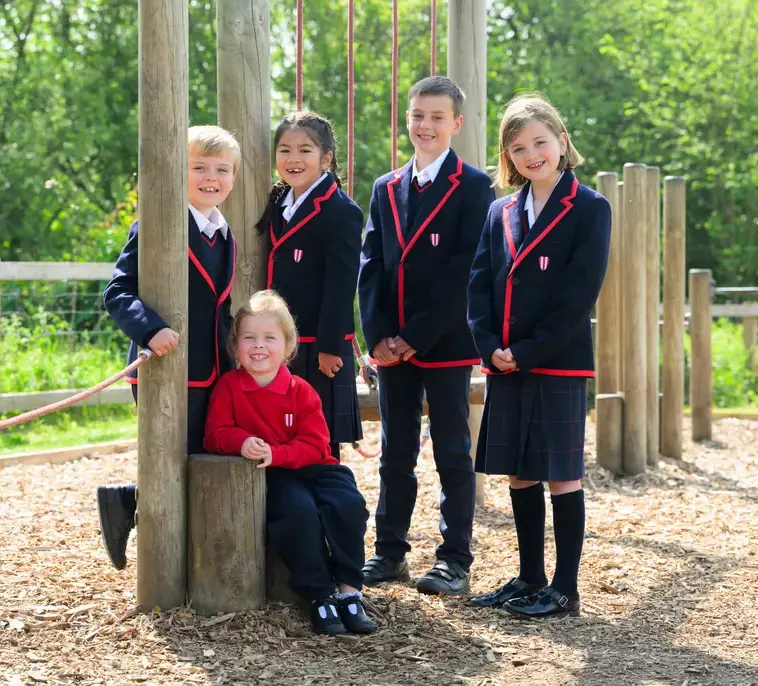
pixel 350 95
pixel 61 404
pixel 299 61
pixel 395 55
pixel 433 20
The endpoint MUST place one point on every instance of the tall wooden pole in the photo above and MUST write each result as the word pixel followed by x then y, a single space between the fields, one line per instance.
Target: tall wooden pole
pixel 163 266
pixel 635 337
pixel 619 221
pixel 674 284
pixel 467 66
pixel 700 361
pixel 653 281
pixel 609 302
pixel 244 107
pixel 608 400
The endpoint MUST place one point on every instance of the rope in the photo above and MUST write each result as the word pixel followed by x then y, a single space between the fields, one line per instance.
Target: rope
pixel 350 95
pixel 433 21
pixel 299 60
pixel 61 404
pixel 395 55
pixel 371 454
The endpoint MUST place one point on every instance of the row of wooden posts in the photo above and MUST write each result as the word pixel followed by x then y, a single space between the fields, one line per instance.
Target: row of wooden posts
pixel 635 421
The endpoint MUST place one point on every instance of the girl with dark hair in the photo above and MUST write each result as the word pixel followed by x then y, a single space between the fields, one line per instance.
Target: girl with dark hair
pixel 314 240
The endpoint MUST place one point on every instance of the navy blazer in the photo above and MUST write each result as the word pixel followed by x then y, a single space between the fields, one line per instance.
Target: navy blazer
pixel 313 264
pixel 534 293
pixel 413 279
pixel 209 319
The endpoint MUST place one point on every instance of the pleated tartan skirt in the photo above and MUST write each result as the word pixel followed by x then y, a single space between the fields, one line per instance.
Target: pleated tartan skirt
pixel 533 427
pixel 339 396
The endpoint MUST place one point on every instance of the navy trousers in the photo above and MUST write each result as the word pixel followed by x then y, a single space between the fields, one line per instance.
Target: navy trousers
pixel 316 518
pixel 401 392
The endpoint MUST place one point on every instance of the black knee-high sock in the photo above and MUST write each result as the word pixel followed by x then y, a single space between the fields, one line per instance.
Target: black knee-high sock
pixel 568 525
pixel 529 515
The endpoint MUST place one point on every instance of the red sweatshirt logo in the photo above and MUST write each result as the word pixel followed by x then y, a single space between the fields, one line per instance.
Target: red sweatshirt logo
pixel 289 420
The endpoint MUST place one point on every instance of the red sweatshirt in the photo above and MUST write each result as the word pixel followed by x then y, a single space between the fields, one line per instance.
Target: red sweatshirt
pixel 286 414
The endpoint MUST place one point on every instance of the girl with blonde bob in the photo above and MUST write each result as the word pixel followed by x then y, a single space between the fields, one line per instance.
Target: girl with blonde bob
pixel 534 281
pixel 315 515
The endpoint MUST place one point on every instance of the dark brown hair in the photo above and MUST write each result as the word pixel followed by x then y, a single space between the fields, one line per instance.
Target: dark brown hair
pixel 320 131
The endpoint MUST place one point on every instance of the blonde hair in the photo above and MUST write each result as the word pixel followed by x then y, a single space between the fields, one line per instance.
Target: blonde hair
pixel 211 140
pixel 266 304
pixel 519 111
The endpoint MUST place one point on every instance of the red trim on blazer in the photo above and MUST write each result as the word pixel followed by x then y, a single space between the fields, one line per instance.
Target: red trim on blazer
pixel 276 243
pixel 312 339
pixel 507 226
pixel 453 178
pixel 430 365
pixel 563 372
pixel 208 240
pixel 567 205
pixel 545 372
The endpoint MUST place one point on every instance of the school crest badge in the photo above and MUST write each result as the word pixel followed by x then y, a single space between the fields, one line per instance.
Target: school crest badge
pixel 289 420
pixel 297 254
pixel 435 238
pixel 544 260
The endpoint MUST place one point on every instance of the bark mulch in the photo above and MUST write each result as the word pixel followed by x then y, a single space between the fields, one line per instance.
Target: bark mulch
pixel 669 586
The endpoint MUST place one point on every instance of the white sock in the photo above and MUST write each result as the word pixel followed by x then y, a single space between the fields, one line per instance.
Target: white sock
pixel 352 594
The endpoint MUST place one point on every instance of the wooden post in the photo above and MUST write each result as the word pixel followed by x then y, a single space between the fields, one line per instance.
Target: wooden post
pixel 163 266
pixel 609 303
pixel 653 281
pixel 609 423
pixel 244 107
pixel 467 66
pixel 749 336
pixel 634 335
pixel 619 221
pixel 700 362
pixel 227 534
pixel 674 283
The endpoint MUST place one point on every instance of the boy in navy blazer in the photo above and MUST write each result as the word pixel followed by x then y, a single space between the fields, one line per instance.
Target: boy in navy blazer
pixel 214 157
pixel 424 225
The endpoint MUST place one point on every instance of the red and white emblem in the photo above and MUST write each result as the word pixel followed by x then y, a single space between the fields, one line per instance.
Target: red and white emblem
pixel 544 260
pixel 289 419
pixel 297 254
pixel 435 237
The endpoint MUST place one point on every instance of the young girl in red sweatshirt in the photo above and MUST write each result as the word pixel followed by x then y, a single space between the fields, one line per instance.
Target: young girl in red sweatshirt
pixel 264 413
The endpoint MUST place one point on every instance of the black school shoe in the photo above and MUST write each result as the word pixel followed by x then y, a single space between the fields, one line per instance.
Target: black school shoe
pixel 515 588
pixel 382 568
pixel 445 578
pixel 352 612
pixel 116 507
pixel 325 618
pixel 545 603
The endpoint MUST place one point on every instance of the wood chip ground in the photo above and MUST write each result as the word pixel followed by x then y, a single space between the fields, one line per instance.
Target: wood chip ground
pixel 669 586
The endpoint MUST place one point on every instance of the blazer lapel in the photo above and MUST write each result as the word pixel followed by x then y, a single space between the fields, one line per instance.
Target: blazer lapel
pixel 557 206
pixel 310 208
pixel 397 189
pixel 435 198
pixel 513 225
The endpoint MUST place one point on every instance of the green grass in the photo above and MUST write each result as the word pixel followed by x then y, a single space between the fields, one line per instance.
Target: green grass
pixel 72 427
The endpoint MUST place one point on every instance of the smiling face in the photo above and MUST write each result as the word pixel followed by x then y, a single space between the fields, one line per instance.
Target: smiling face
pixel 536 152
pixel 431 124
pixel 211 179
pixel 299 160
pixel 261 347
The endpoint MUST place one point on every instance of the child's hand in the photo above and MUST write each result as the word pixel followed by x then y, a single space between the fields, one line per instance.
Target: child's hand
pixel 328 364
pixel 257 449
pixel 383 351
pixel 503 360
pixel 163 342
pixel 402 348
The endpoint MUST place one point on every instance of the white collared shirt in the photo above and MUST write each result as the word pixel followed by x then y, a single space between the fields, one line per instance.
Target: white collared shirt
pixel 209 225
pixel 289 203
pixel 529 203
pixel 429 173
